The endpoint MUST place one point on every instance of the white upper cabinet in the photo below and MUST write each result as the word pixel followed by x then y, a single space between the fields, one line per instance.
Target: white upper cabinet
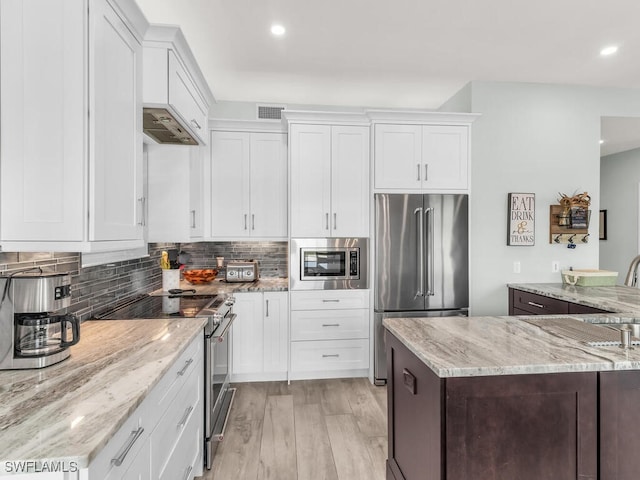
pixel 175 206
pixel 173 81
pixel 329 179
pixel 426 151
pixel 249 185
pixel 71 137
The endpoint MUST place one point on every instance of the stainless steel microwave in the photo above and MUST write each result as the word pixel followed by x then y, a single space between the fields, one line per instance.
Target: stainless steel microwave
pixel 329 263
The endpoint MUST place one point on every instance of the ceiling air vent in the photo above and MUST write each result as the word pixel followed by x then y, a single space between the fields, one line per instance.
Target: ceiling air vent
pixel 270 112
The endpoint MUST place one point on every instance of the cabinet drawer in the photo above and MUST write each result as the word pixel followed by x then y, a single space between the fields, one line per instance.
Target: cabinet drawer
pixel 326 355
pixel 329 325
pixel 577 308
pixel 329 299
pixel 538 304
pixel 184 98
pixel 173 381
pixel 187 404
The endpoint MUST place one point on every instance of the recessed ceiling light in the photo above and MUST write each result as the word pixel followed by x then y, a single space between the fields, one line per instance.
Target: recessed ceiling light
pixel 278 30
pixel 609 50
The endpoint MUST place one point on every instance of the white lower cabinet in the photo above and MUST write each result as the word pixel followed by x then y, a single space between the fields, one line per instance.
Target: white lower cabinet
pixel 163 438
pixel 260 336
pixel 329 334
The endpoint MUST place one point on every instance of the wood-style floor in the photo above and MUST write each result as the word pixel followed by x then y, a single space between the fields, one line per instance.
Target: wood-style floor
pixel 309 430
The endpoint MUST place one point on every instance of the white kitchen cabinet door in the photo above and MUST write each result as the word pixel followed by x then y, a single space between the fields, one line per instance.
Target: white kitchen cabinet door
pixel 276 332
pixel 268 185
pixel 445 157
pixel 230 185
pixel 115 161
pixel 310 180
pixel 398 157
pixel 349 181
pixel 247 337
pixel 185 99
pixel 175 193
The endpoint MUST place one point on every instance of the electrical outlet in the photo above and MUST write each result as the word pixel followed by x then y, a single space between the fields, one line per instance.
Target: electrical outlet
pixel 516 267
pixel 555 266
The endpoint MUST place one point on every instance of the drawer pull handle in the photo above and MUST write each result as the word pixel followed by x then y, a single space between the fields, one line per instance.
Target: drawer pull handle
pixel 334 355
pixel 329 300
pixel 534 304
pixel 187 473
pixel 409 381
pixel 125 450
pixel 330 324
pixel 195 124
pixel 183 421
pixel 186 365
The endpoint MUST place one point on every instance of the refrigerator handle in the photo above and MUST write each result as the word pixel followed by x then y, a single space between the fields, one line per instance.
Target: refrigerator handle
pixel 420 244
pixel 429 213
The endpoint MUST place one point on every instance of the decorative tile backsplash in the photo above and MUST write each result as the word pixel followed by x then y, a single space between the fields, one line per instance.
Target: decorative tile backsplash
pixel 272 257
pixel 96 288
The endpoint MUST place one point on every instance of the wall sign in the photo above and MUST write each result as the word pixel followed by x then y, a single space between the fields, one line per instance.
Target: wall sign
pixel 522 219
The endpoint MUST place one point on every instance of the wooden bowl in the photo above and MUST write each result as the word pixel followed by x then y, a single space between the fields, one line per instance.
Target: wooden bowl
pixel 198 277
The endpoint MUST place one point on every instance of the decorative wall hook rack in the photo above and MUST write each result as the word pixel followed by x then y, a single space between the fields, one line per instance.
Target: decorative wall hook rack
pixel 562 232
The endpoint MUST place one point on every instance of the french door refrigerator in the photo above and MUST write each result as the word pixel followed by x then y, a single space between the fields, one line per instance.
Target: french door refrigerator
pixel 421 261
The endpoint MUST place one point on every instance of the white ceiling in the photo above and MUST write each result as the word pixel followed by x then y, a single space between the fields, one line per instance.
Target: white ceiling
pixel 401 53
pixel 619 134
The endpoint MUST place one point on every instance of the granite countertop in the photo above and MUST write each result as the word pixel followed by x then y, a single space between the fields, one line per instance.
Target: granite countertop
pixel 69 411
pixel 619 298
pixel 220 286
pixel 482 346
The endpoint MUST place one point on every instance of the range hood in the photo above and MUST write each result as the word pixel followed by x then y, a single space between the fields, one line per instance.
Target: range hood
pixel 163 127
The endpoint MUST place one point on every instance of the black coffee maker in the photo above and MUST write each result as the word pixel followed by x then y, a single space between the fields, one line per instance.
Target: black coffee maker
pixel 34 329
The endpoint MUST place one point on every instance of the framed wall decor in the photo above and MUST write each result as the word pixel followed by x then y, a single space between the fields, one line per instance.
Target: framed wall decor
pixel 521 219
pixel 602 224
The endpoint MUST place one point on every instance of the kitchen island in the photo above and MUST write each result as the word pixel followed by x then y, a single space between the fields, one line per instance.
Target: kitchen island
pixel 509 397
pixel 63 416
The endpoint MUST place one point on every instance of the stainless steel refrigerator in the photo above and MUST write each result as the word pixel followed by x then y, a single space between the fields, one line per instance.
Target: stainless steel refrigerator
pixel 421 261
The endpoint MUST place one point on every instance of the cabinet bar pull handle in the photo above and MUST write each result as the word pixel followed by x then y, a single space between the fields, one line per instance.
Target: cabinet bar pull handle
pixel 426 172
pixel 125 450
pixel 183 420
pixel 335 222
pixel 329 300
pixel 187 473
pixel 330 324
pixel 245 221
pixel 193 219
pixel 195 123
pixel 533 304
pixel 267 308
pixel 253 221
pixel 326 221
pixel 186 365
pixel 335 355
pixel 409 381
pixel 142 222
pixel 418 165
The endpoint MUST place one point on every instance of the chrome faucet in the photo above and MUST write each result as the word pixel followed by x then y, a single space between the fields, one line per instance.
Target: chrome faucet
pixel 632 274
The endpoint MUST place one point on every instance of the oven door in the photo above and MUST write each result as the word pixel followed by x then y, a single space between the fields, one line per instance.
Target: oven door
pixel 219 394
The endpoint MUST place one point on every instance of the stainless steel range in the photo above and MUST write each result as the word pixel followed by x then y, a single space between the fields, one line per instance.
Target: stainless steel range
pixel 218 309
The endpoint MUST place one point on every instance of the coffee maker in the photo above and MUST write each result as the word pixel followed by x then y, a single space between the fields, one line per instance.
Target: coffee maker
pixel 34 330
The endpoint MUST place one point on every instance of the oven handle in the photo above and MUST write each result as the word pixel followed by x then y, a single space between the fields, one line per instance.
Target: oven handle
pixel 220 338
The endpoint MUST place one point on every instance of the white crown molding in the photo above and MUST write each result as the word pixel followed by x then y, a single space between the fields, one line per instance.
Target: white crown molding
pixel 232 125
pixel 420 116
pixel 323 117
pixel 130 13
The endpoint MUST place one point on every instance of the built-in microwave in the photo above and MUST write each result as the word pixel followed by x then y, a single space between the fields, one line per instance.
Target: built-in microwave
pixel 329 263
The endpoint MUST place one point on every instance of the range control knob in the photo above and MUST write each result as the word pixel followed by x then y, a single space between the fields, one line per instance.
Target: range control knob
pixel 217 318
pixel 229 301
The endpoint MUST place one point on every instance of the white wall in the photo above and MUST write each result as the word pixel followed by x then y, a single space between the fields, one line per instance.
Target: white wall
pixel 532 138
pixel 619 178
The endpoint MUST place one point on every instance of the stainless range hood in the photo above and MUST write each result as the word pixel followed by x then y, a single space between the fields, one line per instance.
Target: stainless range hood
pixel 163 127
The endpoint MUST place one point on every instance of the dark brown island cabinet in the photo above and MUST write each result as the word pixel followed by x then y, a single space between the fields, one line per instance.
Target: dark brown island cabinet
pixel 526 303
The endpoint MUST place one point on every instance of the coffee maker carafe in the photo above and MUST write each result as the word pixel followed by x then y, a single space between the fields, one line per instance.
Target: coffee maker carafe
pixel 34 330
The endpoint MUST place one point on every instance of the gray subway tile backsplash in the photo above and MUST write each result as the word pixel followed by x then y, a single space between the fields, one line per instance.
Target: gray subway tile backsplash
pixel 99 287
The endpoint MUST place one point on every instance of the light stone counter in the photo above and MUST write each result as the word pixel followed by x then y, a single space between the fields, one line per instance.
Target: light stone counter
pixel 69 411
pixel 481 346
pixel 219 286
pixel 619 298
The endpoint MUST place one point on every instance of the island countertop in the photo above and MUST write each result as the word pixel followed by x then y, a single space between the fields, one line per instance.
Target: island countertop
pixel 69 411
pixel 618 298
pixel 483 346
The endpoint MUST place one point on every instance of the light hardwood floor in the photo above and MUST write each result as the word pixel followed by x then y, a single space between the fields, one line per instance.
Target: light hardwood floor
pixel 308 430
